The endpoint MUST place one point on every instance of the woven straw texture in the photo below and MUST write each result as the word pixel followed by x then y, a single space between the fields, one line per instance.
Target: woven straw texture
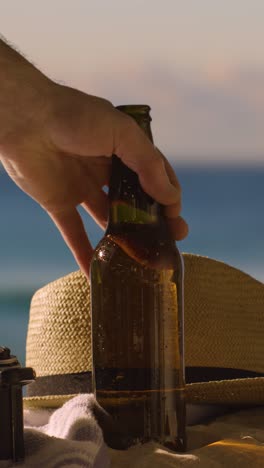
pixel 59 331
pixel 224 316
pixel 227 392
pixel 224 327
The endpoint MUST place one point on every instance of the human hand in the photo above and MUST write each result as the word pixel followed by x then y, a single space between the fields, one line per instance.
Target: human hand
pixel 60 156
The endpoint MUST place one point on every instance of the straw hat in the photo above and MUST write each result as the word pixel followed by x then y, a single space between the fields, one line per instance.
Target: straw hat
pixel 224 337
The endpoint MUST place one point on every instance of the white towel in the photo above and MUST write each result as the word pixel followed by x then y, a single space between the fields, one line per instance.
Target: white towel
pixel 67 437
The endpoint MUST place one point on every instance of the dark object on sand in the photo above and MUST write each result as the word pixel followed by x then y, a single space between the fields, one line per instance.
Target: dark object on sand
pixel 12 379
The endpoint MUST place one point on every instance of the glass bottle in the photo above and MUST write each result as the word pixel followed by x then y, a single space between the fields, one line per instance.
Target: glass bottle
pixel 137 315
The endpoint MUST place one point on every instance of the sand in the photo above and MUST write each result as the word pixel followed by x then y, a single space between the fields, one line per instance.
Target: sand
pixel 233 440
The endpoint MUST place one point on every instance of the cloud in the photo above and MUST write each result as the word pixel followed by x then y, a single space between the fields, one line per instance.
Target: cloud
pixel 195 115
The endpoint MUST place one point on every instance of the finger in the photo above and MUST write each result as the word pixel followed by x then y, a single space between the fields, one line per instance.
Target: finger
pixel 173 210
pixel 155 181
pixel 178 228
pixel 138 153
pixel 97 206
pixel 178 225
pixel 70 225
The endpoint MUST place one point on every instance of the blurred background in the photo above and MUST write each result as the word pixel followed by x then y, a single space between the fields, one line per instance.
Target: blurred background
pixel 200 67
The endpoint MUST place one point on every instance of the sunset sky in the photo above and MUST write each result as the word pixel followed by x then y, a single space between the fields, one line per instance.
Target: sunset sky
pixel 198 63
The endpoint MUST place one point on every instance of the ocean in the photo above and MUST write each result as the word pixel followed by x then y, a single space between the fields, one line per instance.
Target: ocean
pixel 223 206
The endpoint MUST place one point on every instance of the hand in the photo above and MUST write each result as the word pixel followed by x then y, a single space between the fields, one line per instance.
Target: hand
pixel 60 156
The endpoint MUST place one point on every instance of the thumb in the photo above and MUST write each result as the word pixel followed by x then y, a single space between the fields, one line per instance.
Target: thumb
pixel 70 225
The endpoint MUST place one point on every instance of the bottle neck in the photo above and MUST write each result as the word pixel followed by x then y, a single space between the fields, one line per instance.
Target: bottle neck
pixel 129 204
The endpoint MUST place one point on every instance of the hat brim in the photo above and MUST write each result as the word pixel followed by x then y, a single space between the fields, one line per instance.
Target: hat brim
pixel 223 330
pixel 249 391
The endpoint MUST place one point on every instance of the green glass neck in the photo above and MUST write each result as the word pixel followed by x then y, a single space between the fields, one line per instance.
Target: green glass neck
pixel 128 202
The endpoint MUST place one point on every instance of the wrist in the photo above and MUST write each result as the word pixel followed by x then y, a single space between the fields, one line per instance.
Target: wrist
pixel 25 98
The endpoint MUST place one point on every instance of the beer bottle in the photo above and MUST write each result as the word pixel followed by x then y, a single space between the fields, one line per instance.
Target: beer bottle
pixel 137 315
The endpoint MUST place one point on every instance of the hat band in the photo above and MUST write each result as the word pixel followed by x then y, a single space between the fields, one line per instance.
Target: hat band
pixel 212 374
pixel 68 384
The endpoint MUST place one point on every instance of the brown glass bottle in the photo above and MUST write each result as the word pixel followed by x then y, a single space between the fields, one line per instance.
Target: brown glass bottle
pixel 137 315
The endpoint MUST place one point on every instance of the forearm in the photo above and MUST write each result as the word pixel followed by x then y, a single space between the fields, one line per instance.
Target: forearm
pixel 24 93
